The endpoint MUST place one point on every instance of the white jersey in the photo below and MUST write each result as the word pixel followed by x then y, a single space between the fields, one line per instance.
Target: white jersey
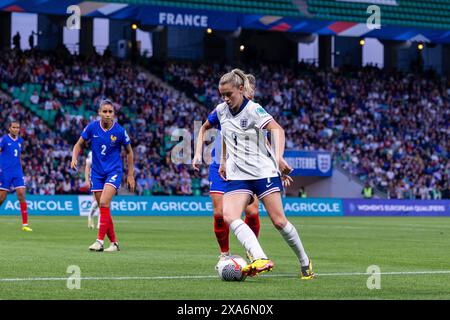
pixel 248 156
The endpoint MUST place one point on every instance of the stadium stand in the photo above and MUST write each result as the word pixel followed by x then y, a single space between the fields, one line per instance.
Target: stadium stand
pixel 374 128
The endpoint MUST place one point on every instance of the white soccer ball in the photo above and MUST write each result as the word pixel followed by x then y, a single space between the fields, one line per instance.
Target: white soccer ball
pixel 230 269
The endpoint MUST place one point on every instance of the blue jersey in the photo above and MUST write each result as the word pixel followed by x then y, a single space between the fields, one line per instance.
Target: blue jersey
pixel 10 154
pixel 217 149
pixel 106 146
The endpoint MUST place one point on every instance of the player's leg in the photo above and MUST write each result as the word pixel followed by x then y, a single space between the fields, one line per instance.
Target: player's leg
pixel 110 188
pixel 94 207
pixel 217 187
pixel 20 191
pixel 103 225
pixel 221 229
pixel 105 212
pixel 252 219
pixel 3 194
pixel 274 206
pixel 234 202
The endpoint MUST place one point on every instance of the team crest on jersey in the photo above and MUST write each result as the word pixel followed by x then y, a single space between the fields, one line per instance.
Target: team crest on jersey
pixel 244 123
pixel 113 138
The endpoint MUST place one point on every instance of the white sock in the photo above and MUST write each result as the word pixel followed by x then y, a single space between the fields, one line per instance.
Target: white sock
pixel 292 238
pixel 247 238
pixel 93 208
pixel 101 241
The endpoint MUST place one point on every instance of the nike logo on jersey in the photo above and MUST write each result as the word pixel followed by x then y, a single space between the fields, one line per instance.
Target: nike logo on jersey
pixel 95 136
pixel 268 185
pixel 9 144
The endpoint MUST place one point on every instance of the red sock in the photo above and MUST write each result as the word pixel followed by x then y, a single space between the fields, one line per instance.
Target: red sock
pixel 110 232
pixel 24 212
pixel 105 216
pixel 222 230
pixel 253 222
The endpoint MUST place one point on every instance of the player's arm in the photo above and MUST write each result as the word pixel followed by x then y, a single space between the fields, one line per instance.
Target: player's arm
pixel 223 160
pixel 199 145
pixel 76 151
pixel 87 174
pixel 130 161
pixel 278 140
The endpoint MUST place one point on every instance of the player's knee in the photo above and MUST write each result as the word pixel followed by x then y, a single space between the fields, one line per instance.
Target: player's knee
pixel 228 218
pixel 251 211
pixel 218 211
pixel 104 204
pixel 279 222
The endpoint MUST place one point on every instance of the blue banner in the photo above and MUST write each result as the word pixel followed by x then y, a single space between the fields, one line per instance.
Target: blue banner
pixel 148 14
pixel 385 207
pixel 172 16
pixel 42 205
pixel 202 206
pixel 310 163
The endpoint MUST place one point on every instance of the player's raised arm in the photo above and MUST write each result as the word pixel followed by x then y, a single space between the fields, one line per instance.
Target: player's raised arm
pixel 130 160
pixel 199 145
pixel 76 151
pixel 278 140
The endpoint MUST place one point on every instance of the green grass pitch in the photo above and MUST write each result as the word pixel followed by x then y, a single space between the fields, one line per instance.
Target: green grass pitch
pixel 173 258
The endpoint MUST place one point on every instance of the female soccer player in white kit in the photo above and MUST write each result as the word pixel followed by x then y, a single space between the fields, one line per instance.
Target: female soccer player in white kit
pixel 251 167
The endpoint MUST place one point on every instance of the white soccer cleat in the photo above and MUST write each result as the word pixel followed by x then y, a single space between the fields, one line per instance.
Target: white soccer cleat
pixel 113 247
pixel 96 246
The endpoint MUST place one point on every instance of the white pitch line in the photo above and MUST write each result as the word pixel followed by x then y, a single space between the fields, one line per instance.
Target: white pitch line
pixel 214 276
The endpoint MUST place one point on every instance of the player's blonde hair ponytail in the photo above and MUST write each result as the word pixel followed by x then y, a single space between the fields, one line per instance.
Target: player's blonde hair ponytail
pixel 252 81
pixel 238 78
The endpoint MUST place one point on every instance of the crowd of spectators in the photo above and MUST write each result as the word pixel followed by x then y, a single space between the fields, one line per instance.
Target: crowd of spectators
pixel 45 157
pixel 390 129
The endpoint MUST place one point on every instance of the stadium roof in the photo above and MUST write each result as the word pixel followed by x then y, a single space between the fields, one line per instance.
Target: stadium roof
pixel 402 20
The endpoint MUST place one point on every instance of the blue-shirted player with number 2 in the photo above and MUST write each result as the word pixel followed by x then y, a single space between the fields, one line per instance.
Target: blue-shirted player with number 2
pixel 106 137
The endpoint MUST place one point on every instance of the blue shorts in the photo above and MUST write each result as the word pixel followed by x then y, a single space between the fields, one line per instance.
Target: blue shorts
pixel 98 181
pixel 260 187
pixel 216 183
pixel 14 179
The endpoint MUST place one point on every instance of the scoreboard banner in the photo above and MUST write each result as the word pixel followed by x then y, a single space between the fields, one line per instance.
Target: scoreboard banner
pixel 74 205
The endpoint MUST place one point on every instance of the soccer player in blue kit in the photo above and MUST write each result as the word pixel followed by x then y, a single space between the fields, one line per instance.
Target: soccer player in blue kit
pixel 106 137
pixel 11 174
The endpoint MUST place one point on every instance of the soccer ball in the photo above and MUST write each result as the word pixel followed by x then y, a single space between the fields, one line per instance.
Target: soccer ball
pixel 230 269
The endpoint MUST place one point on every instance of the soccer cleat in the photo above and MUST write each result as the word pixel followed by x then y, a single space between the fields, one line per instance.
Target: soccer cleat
pixel 91 224
pixel 114 246
pixel 307 272
pixel 257 267
pixel 27 229
pixel 96 246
